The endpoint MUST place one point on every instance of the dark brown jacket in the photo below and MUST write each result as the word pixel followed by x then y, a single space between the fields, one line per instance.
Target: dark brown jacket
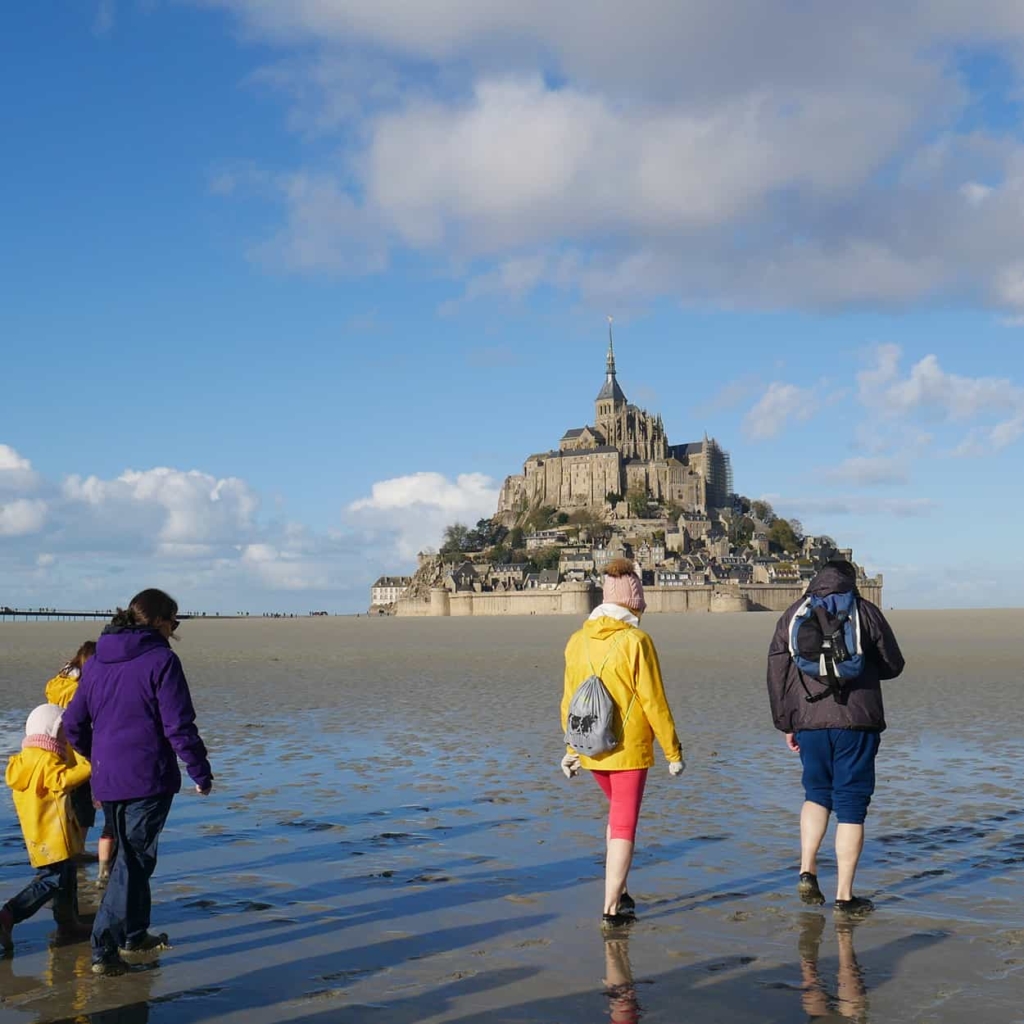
pixel 861 704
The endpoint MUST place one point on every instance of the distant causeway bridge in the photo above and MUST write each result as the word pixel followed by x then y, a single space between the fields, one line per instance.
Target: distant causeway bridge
pixel 67 615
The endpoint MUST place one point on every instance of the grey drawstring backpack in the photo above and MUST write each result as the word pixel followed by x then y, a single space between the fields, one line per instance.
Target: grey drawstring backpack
pixel 590 725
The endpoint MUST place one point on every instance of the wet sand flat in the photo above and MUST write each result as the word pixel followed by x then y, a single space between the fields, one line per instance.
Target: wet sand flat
pixel 390 838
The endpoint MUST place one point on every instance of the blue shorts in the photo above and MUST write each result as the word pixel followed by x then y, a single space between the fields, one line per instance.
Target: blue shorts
pixel 839 770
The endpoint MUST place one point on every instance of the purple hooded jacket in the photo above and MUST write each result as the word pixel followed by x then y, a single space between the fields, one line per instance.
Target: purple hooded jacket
pixel 132 717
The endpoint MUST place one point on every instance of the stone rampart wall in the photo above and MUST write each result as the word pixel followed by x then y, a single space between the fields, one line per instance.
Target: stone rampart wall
pixel 580 599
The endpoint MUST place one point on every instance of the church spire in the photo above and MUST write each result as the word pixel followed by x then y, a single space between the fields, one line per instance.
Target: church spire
pixel 610 397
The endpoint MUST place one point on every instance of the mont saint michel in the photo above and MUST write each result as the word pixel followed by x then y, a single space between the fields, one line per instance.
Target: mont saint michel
pixel 617 488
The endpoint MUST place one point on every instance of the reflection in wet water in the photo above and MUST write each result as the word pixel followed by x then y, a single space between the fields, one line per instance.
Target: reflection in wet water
pixel 66 991
pixel 849 1001
pixel 623 1005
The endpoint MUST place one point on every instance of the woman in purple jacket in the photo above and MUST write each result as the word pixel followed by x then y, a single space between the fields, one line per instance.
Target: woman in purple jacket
pixel 132 717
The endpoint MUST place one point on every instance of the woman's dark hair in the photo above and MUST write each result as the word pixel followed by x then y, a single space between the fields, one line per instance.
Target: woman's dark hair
pixel 146 608
pixel 82 655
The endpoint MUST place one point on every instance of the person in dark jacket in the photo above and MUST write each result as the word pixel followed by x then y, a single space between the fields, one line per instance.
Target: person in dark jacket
pixel 132 717
pixel 836 735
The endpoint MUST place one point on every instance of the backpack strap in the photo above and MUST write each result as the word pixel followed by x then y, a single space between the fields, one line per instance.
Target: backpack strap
pixel 594 671
pixel 833 685
pixel 605 662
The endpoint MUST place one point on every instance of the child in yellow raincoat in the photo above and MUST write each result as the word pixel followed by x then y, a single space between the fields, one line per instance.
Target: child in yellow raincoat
pixel 59 690
pixel 42 777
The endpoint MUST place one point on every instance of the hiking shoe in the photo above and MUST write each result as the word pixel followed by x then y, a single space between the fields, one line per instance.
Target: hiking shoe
pixel 808 889
pixel 855 907
pixel 617 920
pixel 6 930
pixel 149 943
pixel 627 905
pixel 110 966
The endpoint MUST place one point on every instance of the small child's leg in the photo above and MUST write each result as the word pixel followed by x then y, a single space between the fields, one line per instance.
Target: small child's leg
pixel 6 928
pixel 65 900
pixel 43 888
pixel 70 924
pixel 107 846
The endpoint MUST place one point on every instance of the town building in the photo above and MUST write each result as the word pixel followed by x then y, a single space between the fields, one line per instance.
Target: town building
pixel 388 589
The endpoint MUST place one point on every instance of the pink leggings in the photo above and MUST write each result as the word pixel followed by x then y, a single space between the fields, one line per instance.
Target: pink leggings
pixel 625 790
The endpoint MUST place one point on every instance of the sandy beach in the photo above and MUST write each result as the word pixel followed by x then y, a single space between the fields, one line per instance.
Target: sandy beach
pixel 390 838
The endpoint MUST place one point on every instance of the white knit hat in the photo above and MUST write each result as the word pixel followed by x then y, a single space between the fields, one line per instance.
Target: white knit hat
pixel 44 721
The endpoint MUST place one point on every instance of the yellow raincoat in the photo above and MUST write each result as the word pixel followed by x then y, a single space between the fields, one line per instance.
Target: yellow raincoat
pixel 632 668
pixel 41 782
pixel 60 689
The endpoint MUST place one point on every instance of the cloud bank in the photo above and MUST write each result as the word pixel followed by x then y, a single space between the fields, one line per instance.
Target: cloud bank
pixel 778 155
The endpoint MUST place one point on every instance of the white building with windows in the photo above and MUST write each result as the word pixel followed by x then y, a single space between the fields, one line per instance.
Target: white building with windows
pixel 389 589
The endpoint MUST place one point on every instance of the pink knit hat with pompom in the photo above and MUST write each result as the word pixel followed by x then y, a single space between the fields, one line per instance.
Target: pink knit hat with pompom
pixel 626 590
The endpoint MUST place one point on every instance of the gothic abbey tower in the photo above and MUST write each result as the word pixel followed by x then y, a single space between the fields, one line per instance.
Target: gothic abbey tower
pixel 625 450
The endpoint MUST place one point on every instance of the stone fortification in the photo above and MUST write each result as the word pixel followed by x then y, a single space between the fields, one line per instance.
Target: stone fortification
pixel 580 599
pixel 619 489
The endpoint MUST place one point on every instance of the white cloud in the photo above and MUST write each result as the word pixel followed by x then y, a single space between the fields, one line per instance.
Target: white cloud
pixel 167 506
pixel 411 512
pixel 11 461
pixel 325 230
pixel 96 540
pixel 715 153
pixel 520 163
pixel 16 473
pixel 776 407
pixel 864 470
pixel 929 390
pixel 22 517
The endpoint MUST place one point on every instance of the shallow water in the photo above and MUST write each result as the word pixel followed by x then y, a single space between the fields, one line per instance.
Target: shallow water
pixel 390 838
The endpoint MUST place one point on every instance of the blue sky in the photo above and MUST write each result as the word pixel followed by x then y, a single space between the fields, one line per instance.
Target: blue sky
pixel 289 286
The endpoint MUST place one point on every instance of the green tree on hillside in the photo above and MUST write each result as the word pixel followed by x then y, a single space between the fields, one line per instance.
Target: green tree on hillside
pixel 637 501
pixel 546 558
pixel 782 535
pixel 455 538
pixel 741 532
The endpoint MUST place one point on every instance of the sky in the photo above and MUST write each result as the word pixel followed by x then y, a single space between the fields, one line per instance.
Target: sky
pixel 289 285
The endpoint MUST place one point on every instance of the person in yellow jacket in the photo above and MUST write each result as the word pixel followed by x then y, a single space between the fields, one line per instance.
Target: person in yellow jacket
pixel 42 777
pixel 59 690
pixel 612 645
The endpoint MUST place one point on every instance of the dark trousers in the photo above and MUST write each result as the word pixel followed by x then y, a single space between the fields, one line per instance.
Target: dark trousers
pixel 123 917
pixel 57 882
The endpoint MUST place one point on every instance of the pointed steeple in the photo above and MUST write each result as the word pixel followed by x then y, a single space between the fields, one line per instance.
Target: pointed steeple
pixel 611 389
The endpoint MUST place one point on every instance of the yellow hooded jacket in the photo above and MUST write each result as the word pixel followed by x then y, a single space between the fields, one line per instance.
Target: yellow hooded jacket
pixel 41 782
pixel 60 689
pixel 632 668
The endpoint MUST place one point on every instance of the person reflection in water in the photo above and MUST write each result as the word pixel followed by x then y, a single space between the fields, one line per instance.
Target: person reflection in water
pixel 623 1006
pixel 850 1000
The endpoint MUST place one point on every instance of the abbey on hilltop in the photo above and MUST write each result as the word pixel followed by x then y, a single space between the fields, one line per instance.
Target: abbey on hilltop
pixel 625 451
